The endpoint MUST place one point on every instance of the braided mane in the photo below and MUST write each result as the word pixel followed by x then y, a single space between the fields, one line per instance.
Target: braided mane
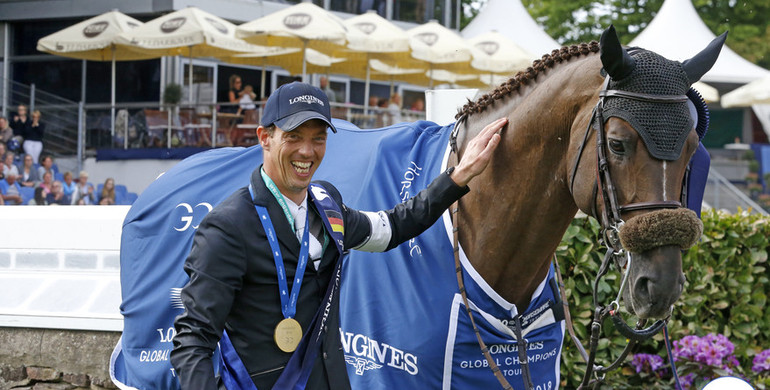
pixel 524 77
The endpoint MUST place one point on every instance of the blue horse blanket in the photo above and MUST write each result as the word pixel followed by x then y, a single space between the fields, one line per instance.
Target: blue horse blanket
pixel 403 324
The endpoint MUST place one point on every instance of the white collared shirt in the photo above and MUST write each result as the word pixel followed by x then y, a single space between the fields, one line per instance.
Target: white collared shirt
pixel 299 213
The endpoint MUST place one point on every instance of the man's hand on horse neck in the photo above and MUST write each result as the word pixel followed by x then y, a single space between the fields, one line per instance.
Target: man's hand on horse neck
pixel 478 153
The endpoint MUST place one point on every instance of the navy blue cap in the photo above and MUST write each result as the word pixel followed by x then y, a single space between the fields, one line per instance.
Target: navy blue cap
pixel 294 104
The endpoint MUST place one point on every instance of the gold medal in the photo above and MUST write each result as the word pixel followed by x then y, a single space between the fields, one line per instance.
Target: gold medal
pixel 288 334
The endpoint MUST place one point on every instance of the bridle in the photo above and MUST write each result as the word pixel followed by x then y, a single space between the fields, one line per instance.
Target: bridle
pixel 611 220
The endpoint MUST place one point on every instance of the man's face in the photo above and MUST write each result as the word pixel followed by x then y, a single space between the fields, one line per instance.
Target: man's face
pixel 47 163
pixel 3 123
pixel 28 161
pixel 10 178
pixel 22 110
pixel 57 188
pixel 291 158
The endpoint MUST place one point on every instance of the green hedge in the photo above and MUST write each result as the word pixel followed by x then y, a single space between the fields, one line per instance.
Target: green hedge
pixel 726 292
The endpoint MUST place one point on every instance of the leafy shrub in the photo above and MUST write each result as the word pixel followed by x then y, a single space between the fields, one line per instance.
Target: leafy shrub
pixel 725 293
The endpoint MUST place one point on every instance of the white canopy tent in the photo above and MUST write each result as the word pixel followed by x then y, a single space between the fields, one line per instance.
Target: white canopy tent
pixel 511 19
pixel 678 33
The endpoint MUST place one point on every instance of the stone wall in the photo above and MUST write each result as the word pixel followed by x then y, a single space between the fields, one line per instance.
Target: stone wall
pixel 53 359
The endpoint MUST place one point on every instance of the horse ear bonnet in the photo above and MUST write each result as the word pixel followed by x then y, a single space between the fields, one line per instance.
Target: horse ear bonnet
pixel 663 126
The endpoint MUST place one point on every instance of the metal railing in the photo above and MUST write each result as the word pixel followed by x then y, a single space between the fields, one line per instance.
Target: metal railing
pixel 59 115
pixel 78 129
pixel 723 195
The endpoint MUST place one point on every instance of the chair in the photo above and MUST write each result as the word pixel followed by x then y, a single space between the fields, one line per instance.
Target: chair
pixel 58 176
pixel 27 193
pixel 130 198
pixel 246 132
pixel 157 125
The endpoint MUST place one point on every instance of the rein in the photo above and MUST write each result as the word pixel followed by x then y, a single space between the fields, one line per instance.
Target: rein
pixel 611 220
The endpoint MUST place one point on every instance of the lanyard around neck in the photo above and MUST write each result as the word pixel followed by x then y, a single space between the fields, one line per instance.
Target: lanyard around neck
pixel 288 300
pixel 270 184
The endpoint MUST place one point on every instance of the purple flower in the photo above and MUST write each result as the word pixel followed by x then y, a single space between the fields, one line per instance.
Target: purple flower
pixel 644 362
pixel 761 362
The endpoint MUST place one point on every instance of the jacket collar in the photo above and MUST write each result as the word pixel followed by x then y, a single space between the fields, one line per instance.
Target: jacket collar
pixel 263 197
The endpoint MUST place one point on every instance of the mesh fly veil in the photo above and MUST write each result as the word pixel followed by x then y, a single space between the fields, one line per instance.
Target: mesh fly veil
pixel 663 126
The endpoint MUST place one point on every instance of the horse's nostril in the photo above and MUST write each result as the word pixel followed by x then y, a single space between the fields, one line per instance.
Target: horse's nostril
pixel 642 289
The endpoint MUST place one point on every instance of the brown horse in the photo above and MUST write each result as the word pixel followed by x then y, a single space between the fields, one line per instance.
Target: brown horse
pixel 513 220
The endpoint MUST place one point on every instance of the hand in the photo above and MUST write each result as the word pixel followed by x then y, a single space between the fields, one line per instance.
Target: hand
pixel 478 153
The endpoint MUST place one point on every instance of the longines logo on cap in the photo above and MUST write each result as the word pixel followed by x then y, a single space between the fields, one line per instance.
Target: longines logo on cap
pixel 172 25
pixel 94 29
pixel 488 47
pixel 297 21
pixel 217 25
pixel 309 99
pixel 428 38
pixel 366 27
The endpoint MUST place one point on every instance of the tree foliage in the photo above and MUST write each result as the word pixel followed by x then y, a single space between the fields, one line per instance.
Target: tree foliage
pixel 574 21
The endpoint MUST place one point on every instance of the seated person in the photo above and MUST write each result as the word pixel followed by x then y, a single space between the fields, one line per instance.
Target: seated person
pixel 11 191
pixel 57 196
pixel 85 190
pixel 29 174
pixel 108 192
pixel 9 164
pixel 39 199
pixel 46 165
pixel 47 183
pixel 69 186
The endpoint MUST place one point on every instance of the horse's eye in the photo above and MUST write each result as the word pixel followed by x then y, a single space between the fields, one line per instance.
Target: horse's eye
pixel 617 147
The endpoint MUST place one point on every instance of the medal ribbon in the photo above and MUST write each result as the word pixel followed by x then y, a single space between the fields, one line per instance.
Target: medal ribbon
pixel 270 184
pixel 288 301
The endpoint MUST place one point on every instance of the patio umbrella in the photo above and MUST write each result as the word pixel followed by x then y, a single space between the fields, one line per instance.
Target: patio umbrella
pixel 189 31
pixel 709 93
pixel 495 54
pixel 755 92
pixel 440 48
pixel 287 58
pixel 304 25
pixel 95 39
pixel 371 36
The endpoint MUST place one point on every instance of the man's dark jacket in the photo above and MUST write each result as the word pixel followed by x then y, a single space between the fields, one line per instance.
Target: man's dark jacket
pixel 234 285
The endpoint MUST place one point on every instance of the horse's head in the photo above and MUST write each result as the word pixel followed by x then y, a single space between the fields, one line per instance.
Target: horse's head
pixel 648 137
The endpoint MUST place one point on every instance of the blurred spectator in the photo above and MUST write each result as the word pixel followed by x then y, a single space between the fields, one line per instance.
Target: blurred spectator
pixel 418 105
pixel 3 150
pixel 33 140
pixel 247 99
pixel 330 94
pixel 85 191
pixel 235 93
pixel 46 165
pixel 9 164
pixel 39 199
pixel 57 196
pixel 21 122
pixel 108 192
pixel 29 176
pixel 6 132
pixel 47 183
pixel 11 191
pixel 394 109
pixel 69 187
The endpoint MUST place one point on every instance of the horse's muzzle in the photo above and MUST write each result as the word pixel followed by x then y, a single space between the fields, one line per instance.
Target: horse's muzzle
pixel 655 241
pixel 679 227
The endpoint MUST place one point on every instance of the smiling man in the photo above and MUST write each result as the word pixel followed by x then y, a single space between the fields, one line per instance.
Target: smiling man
pixel 265 260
